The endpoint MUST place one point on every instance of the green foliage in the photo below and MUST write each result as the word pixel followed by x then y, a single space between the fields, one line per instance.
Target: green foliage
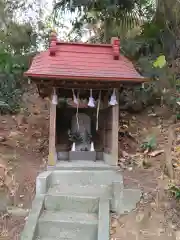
pixel 17 40
pixel 138 98
pixel 149 33
pixel 96 5
pixel 149 143
pixel 146 51
pixel 11 74
pixel 175 191
pixel 160 62
pixel 104 17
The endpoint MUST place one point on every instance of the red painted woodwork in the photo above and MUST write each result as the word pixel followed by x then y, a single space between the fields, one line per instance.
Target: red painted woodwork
pixel 116 48
pixel 53 44
pixel 77 61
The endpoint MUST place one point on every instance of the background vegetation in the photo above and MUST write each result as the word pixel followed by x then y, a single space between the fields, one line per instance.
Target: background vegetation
pixel 149 33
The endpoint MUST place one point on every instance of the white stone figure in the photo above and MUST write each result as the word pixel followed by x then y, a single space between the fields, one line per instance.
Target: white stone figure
pixel 73 149
pixel 92 147
pixel 113 100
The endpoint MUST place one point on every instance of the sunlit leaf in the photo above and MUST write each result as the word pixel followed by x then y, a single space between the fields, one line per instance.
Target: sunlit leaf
pixel 160 62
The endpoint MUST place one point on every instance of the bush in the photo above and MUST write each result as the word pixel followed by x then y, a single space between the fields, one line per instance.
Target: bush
pixel 10 94
pixel 11 80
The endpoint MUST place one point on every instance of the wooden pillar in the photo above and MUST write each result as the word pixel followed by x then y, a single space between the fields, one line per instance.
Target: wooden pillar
pixel 104 132
pixel 105 106
pixel 52 158
pixel 115 130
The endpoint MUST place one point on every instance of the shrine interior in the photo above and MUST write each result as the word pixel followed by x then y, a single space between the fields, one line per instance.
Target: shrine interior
pixel 66 125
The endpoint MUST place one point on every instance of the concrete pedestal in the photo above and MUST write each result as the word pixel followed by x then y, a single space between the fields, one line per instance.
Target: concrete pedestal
pixel 90 156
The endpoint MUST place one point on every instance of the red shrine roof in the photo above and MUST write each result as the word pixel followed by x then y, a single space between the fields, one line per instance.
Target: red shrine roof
pixel 81 61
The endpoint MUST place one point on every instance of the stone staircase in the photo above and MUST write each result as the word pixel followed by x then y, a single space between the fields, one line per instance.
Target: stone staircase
pixel 74 202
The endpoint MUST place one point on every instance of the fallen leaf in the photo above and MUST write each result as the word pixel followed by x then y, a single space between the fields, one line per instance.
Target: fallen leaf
pixel 177 235
pixel 14 134
pixel 2 138
pixel 152 114
pixel 177 149
pixel 130 169
pixel 125 154
pixel 16 211
pixel 114 223
pixel 156 153
pixel 146 151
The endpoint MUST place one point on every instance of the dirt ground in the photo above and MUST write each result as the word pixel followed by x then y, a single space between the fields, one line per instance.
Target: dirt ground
pixel 157 214
pixel 23 152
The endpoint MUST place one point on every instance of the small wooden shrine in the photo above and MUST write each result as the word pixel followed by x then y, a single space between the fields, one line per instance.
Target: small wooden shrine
pixel 83 82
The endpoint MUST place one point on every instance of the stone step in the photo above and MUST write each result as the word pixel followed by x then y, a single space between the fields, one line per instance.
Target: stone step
pixel 128 200
pixel 68 225
pixel 76 197
pixel 84 165
pixel 86 177
pixel 55 238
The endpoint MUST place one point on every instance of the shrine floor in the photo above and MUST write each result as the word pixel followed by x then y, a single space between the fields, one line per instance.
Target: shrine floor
pixel 74 201
pixel 84 165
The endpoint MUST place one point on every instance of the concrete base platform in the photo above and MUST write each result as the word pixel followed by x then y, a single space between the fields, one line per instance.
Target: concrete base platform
pixel 86 155
pixel 74 200
pixel 84 165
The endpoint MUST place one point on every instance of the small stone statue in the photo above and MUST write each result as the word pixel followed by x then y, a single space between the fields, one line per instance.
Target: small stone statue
pixel 81 140
pixel 81 133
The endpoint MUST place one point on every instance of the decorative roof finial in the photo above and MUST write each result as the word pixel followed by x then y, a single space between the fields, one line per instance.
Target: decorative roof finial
pixel 53 43
pixel 115 45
